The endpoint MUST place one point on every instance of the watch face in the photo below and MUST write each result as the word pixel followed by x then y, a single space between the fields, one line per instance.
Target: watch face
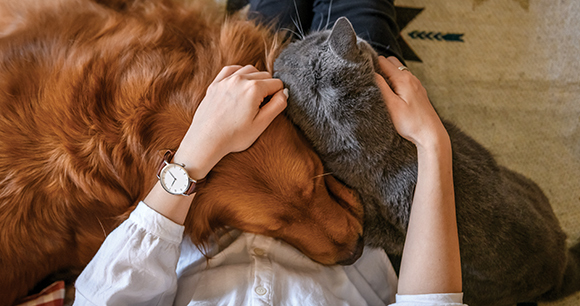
pixel 174 179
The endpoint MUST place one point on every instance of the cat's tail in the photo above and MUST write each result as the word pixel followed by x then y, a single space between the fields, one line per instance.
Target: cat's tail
pixel 570 282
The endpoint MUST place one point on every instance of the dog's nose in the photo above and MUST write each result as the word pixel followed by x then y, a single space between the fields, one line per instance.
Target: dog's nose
pixel 355 254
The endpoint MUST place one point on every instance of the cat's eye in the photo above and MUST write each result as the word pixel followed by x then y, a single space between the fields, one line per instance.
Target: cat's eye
pixel 317 75
pixel 315 65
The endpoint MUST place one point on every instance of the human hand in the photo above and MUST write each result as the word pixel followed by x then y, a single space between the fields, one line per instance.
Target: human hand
pixel 230 117
pixel 411 112
pixel 431 259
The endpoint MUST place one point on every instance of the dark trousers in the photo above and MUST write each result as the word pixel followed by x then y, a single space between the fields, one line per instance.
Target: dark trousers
pixel 373 20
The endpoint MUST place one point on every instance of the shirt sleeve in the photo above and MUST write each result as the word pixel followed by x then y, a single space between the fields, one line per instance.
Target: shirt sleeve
pixel 135 265
pixel 443 299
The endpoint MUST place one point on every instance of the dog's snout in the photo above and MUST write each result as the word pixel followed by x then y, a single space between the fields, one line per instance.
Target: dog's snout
pixel 354 254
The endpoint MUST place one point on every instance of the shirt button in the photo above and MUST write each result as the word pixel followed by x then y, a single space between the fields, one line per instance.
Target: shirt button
pixel 259 252
pixel 261 290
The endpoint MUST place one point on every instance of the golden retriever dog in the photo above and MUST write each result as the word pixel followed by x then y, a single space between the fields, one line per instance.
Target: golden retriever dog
pixel 91 94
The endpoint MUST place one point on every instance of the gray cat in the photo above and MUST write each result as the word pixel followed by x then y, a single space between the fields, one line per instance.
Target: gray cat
pixel 512 247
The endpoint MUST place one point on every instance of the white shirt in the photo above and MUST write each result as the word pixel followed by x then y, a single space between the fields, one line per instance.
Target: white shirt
pixel 146 261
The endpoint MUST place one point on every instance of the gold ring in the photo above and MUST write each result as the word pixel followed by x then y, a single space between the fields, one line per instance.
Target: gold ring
pixel 403 68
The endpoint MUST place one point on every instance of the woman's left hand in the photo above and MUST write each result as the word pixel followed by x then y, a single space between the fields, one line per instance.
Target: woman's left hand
pixel 411 112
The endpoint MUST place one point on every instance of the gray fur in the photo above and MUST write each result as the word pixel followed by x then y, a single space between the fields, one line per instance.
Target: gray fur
pixel 512 247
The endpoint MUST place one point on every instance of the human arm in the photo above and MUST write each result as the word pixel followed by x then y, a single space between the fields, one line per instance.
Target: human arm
pixel 431 262
pixel 229 119
pixel 137 262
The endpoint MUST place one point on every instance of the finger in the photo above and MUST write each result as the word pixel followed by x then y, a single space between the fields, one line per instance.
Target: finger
pixel 226 72
pixel 389 95
pixel 271 109
pixel 268 87
pixel 395 61
pixel 260 75
pixel 399 82
pixel 246 70
pixel 388 67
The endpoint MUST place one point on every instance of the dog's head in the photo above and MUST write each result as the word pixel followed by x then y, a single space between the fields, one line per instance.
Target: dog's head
pixel 278 188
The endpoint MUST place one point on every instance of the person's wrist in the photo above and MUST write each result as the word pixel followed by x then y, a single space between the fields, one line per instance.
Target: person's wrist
pixel 198 158
pixel 438 142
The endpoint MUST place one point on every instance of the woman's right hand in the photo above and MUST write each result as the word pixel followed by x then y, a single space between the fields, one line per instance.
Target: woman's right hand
pixel 230 117
pixel 411 112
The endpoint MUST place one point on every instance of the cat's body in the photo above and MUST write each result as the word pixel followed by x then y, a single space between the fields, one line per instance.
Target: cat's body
pixel 512 247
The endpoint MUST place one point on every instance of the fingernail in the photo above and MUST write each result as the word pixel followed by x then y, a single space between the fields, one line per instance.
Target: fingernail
pixel 285 91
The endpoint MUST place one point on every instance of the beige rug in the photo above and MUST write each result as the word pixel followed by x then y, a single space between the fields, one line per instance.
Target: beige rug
pixel 512 81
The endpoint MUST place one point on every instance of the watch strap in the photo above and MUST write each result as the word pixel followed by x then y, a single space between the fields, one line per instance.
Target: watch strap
pixel 167 157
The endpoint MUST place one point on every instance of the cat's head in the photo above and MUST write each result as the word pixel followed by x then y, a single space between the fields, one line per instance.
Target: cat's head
pixel 330 76
pixel 326 65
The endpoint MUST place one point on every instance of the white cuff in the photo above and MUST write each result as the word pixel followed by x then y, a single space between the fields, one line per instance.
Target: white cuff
pixel 157 224
pixel 434 299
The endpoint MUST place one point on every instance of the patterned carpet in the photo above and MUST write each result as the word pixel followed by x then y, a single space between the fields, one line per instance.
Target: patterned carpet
pixel 507 72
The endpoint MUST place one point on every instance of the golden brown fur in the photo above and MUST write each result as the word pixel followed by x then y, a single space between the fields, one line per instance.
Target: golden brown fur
pixel 92 92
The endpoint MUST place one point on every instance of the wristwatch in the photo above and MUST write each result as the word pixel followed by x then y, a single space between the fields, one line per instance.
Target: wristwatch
pixel 174 178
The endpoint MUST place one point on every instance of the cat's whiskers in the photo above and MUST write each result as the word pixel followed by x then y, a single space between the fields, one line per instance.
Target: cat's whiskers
pixel 319 25
pixel 299 34
pixel 322 175
pixel 328 19
pixel 299 23
pixel 293 32
pixel 368 38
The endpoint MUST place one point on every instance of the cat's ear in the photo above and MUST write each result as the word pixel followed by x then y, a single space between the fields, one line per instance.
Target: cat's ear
pixel 342 39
